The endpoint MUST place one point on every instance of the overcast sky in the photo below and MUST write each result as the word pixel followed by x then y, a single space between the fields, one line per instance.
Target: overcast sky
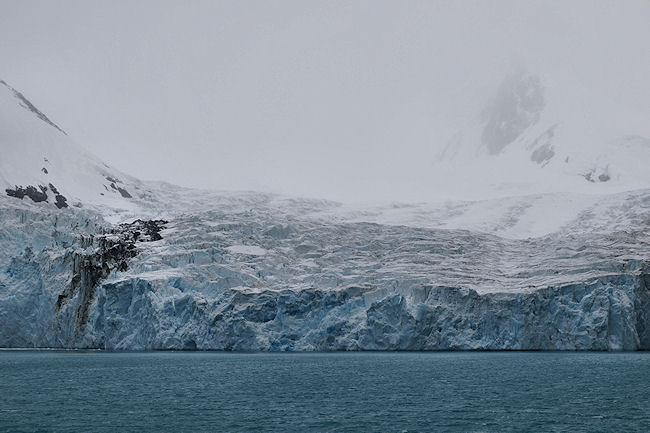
pixel 337 99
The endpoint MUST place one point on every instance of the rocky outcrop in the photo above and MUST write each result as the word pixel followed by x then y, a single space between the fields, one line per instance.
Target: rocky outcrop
pixel 543 148
pixel 38 195
pixel 59 200
pixel 101 255
pixel 52 268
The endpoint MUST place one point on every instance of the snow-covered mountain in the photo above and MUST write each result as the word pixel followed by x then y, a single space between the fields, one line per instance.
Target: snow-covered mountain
pixel 532 138
pixel 41 161
pixel 142 265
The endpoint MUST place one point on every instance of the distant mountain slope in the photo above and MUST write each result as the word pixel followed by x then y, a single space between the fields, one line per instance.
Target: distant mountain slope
pixel 39 161
pixel 529 139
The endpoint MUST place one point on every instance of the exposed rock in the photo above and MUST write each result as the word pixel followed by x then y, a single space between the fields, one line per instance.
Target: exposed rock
pixel 30 191
pixel 592 176
pixel 53 188
pixel 61 201
pixel 123 192
pixel 103 254
pixel 543 147
pixel 38 196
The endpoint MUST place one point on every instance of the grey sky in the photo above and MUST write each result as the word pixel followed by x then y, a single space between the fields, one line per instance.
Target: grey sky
pixel 337 99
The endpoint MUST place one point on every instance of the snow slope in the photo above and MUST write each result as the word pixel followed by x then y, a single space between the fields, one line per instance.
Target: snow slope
pixel 534 137
pixel 36 152
pixel 174 268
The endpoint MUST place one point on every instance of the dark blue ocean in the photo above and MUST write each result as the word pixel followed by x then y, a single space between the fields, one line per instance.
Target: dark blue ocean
pixel 323 392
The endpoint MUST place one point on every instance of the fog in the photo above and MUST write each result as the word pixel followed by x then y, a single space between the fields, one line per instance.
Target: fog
pixel 347 100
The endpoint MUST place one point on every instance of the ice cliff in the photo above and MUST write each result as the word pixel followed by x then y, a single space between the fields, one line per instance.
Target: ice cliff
pixel 265 278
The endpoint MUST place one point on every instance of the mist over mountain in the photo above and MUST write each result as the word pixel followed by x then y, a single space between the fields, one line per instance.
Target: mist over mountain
pixel 528 139
pixel 351 101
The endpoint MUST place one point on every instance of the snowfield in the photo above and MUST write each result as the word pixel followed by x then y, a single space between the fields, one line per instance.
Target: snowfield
pixel 132 265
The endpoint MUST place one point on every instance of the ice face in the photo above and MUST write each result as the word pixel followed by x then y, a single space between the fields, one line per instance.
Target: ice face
pixel 255 272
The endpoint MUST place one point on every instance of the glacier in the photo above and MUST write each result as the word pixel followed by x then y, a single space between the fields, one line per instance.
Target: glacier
pixel 94 258
pixel 260 272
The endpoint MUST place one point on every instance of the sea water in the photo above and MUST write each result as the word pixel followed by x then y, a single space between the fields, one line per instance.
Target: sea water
pixel 71 391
